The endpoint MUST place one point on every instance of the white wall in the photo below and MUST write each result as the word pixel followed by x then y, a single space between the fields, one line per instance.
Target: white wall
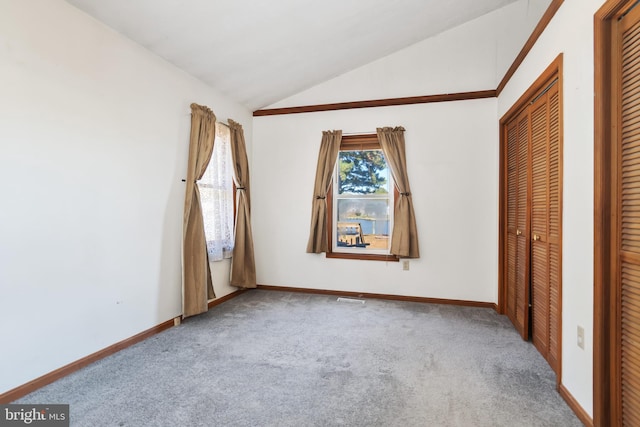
pixel 571 32
pixel 94 136
pixel 452 151
pixel 453 173
pixel 471 57
pixel 513 19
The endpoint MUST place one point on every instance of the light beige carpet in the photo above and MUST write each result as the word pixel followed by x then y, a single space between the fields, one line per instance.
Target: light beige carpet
pixel 271 358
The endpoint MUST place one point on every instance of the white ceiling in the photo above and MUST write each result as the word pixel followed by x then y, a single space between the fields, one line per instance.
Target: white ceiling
pixel 259 52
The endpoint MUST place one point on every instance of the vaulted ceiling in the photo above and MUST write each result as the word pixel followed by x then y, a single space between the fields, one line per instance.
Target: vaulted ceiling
pixel 259 52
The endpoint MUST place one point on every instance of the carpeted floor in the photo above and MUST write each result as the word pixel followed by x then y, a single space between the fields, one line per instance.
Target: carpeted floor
pixel 270 358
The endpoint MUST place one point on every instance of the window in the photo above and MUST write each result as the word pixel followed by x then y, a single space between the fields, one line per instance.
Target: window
pixel 361 201
pixel 217 197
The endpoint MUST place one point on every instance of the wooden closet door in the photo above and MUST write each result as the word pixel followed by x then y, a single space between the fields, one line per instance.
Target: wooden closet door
pixel 626 377
pixel 545 224
pixel 517 247
pixel 512 209
pixel 555 231
pixel 540 225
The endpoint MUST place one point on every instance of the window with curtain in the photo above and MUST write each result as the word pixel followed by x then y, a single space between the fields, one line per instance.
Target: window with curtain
pixel 361 201
pixel 217 197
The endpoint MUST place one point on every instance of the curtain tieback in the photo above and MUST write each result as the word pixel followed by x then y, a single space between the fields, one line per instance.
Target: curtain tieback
pixel 320 197
pixel 240 188
pixel 405 194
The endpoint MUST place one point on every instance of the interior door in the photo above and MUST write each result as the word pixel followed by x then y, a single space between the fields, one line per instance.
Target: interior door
pixel 626 377
pixel 517 247
pixel 545 223
pixel 540 225
pixel 531 220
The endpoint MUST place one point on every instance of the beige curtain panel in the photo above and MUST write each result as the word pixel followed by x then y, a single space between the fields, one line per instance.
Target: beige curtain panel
pixel 329 147
pixel 404 242
pixel 197 287
pixel 243 265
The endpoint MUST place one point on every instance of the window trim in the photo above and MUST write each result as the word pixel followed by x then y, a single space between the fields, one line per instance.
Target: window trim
pixel 355 142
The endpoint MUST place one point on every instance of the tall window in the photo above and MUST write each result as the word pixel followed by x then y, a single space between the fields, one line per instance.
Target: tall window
pixel 216 192
pixel 361 201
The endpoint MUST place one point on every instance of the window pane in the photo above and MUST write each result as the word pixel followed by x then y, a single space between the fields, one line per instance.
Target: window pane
pixel 216 196
pixel 363 223
pixel 362 172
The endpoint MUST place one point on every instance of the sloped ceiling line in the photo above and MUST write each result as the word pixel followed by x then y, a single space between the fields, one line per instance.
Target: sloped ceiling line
pixel 535 34
pixel 258 53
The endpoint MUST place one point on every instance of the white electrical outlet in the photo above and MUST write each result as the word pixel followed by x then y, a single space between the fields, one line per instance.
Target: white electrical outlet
pixel 581 337
pixel 405 265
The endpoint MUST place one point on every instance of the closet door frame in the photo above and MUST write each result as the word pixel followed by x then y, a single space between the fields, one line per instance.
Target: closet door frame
pixel 555 68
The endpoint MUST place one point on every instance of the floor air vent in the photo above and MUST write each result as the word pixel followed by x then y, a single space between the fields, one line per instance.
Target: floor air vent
pixel 351 300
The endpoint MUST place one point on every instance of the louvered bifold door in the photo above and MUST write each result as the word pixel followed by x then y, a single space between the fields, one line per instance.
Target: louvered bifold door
pixel 555 230
pixel 540 225
pixel 545 224
pixel 517 247
pixel 512 208
pixel 627 380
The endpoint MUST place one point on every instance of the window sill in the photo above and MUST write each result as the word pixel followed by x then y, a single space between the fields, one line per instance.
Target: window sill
pixel 368 257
